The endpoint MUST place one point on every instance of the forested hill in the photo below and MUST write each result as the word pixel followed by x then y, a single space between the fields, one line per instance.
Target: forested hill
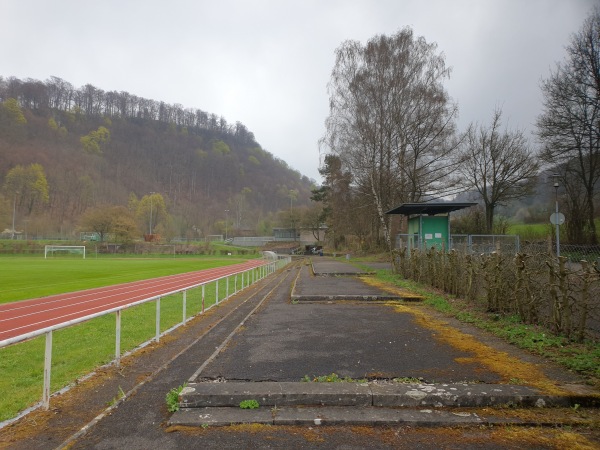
pixel 106 148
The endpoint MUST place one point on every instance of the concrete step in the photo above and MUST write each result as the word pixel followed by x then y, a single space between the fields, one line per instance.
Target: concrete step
pixel 333 415
pixel 347 297
pixel 373 394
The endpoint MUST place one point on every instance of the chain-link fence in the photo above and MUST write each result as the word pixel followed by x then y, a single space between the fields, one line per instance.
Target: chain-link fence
pixel 466 243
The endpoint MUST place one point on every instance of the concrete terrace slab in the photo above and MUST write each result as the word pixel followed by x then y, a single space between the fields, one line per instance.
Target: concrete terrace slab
pixel 352 416
pixel 324 266
pixel 384 395
pixel 309 287
pixel 286 341
pixel 355 403
pixel 274 394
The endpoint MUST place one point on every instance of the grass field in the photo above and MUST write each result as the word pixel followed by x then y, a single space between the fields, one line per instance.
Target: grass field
pixel 78 350
pixel 531 231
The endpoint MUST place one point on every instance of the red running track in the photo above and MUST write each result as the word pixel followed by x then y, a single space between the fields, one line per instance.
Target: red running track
pixel 28 316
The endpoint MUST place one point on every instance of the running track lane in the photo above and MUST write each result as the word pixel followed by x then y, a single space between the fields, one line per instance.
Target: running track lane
pixel 26 316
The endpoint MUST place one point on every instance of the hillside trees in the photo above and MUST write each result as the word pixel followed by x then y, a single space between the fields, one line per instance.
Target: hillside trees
pixel 569 126
pixel 94 141
pixel 29 185
pixel 110 219
pixel 497 164
pixel 150 212
pixel 12 120
pixel 197 161
pixel 391 121
pixel 91 101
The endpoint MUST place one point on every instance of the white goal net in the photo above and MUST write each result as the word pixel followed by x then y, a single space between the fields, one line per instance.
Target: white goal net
pixel 54 250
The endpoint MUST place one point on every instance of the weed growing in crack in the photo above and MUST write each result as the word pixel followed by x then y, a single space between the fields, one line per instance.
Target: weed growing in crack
pixel 172 398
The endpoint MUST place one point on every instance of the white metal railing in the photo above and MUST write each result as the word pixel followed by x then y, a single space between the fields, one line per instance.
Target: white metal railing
pixel 248 277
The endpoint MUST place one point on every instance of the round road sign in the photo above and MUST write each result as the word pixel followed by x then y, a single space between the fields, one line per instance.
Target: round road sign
pixel 557 218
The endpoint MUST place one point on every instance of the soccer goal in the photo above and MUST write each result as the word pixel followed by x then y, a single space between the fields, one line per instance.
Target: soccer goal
pixel 53 250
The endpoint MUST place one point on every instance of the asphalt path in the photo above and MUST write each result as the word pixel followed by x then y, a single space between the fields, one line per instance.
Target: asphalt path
pixel 358 339
pixel 29 316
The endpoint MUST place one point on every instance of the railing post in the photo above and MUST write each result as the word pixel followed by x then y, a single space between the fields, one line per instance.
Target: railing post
pixel 217 292
pixel 203 298
pixel 227 288
pixel 157 337
pixel 47 371
pixel 235 284
pixel 118 339
pixel 184 305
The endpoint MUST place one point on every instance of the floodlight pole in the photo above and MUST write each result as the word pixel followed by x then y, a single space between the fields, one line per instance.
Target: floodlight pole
pixel 555 176
pixel 226 220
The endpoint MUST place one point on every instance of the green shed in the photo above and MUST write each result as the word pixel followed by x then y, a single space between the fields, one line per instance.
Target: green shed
pixel 429 223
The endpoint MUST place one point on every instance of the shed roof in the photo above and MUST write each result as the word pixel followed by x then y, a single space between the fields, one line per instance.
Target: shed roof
pixel 429 209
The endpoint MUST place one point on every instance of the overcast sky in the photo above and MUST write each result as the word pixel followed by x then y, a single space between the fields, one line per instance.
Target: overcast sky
pixel 266 63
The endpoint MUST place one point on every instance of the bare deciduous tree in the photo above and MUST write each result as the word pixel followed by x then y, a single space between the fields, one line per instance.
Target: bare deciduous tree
pixel 391 121
pixel 497 164
pixel 569 126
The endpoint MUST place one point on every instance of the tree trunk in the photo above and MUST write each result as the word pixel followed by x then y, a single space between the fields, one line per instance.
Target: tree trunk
pixel 489 218
pixel 591 222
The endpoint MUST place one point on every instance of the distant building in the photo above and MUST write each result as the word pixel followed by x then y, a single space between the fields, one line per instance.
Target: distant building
pixel 286 234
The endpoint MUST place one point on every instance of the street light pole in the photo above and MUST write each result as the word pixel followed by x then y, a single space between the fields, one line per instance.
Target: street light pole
pixel 14 213
pixel 151 194
pixel 555 176
pixel 226 220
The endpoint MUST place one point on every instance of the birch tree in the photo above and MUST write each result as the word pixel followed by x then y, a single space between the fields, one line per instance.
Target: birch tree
pixel 391 122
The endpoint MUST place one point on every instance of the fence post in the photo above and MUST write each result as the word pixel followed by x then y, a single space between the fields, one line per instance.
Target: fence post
pixel 217 292
pixel 235 284
pixel 184 305
pixel 157 337
pixel 227 288
pixel 118 339
pixel 47 371
pixel 203 298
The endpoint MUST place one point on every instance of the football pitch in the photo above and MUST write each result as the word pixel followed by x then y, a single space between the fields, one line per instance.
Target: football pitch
pixel 80 349
pixel 25 277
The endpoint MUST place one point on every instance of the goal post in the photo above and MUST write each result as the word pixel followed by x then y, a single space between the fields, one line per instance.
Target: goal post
pixel 64 249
